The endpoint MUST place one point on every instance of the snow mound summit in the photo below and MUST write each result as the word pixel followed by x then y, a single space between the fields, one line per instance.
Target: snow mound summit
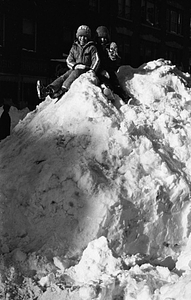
pixel 155 81
pixel 80 169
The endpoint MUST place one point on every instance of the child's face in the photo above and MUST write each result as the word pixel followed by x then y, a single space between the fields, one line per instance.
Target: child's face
pixel 102 41
pixel 82 40
pixel 113 51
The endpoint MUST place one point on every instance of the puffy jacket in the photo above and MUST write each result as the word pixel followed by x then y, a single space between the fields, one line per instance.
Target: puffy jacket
pixel 86 55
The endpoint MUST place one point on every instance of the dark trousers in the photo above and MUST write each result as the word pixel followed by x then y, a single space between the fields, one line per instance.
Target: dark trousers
pixel 111 82
pixel 66 79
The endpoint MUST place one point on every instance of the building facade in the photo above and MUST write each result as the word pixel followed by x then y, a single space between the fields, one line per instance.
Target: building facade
pixel 152 29
pixel 36 35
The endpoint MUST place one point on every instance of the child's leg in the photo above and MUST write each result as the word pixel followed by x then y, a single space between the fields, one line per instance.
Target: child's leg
pixel 56 85
pixel 73 76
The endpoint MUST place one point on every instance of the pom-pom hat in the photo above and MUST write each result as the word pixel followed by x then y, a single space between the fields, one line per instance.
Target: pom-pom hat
pixel 83 30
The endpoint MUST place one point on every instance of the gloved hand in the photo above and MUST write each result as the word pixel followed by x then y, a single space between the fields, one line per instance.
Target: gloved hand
pixel 105 73
pixel 80 66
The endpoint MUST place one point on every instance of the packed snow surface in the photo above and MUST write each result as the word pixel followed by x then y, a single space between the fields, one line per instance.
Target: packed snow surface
pixel 95 196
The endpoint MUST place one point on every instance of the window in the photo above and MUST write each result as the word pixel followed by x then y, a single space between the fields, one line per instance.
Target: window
pixel 174 20
pixel 174 23
pixel 150 12
pixel 124 50
pixel 9 90
pixel 124 9
pixel 2 30
pixel 29 35
pixel 148 51
pixel 67 35
pixel 174 55
pixel 93 5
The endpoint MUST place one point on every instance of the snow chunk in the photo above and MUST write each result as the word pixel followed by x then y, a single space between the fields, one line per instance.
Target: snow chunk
pixel 97 261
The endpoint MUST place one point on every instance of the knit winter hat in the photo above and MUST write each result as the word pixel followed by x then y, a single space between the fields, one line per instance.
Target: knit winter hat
pixel 83 30
pixel 102 32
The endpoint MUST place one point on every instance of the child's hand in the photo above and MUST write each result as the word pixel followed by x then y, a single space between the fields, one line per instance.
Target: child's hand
pixel 79 66
pixel 105 73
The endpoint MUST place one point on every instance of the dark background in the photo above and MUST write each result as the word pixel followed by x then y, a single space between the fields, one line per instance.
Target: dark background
pixel 35 37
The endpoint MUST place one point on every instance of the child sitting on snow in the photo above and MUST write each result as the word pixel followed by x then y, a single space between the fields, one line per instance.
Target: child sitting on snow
pixel 109 62
pixel 83 56
pixel 114 56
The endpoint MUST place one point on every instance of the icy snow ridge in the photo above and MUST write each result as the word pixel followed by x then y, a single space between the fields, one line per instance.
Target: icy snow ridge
pixel 81 169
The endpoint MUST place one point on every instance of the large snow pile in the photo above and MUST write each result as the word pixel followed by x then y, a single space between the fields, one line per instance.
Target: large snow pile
pixel 95 200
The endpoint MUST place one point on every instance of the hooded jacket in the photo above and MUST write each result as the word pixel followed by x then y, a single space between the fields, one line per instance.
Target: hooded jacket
pixel 86 55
